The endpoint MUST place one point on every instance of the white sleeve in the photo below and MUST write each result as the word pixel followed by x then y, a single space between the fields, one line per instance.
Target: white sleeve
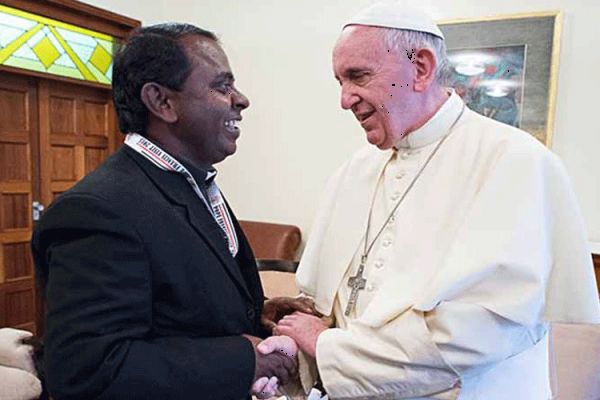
pixel 399 358
pixel 470 337
pixel 418 354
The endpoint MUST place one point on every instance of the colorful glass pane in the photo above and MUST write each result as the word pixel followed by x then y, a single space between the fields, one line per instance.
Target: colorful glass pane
pixel 42 44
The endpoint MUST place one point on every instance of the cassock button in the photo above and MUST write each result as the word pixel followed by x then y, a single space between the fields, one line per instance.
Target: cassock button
pixel 370 288
pixel 400 175
pixel 392 219
pixel 250 313
pixel 404 156
pixel 387 242
pixel 379 264
pixel 395 196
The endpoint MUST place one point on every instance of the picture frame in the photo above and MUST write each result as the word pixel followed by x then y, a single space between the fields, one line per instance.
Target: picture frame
pixel 506 67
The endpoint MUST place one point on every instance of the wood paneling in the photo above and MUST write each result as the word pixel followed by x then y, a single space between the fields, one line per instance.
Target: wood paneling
pixel 20 304
pixel 63 112
pixel 96 118
pixel 18 173
pixel 53 130
pixel 14 159
pixel 2 301
pixel 63 163
pixel 69 150
pixel 93 158
pixel 15 102
pixel 596 259
pixel 17 261
pixel 56 133
pixel 14 210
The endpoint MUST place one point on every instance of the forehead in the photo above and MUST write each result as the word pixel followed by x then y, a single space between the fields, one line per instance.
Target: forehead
pixel 205 53
pixel 358 45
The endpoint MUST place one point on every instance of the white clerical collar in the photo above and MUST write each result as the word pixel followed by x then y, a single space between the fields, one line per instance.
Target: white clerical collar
pixel 437 127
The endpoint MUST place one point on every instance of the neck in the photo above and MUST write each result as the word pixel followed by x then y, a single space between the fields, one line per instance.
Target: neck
pixel 430 106
pixel 169 142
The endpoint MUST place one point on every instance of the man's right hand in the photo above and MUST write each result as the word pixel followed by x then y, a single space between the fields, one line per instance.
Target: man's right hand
pixel 273 364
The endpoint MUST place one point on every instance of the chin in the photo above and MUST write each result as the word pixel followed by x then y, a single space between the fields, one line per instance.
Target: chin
pixel 384 146
pixel 231 149
pixel 228 151
pixel 375 139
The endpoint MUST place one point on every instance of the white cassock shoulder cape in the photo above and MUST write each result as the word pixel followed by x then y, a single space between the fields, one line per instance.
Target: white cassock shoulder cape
pixel 492 226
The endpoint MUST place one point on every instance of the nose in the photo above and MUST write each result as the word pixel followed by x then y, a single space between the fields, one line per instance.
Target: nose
pixel 239 101
pixel 348 97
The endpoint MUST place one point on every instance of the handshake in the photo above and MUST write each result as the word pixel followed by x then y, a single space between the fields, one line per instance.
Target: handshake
pixel 276 363
pixel 296 325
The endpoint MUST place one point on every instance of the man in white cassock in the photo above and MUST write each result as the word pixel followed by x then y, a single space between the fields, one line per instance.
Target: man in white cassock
pixel 443 250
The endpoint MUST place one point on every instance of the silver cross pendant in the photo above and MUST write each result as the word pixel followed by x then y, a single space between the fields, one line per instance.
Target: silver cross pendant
pixel 357 283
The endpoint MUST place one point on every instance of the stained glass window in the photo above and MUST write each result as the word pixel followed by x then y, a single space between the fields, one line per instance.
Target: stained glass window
pixel 42 44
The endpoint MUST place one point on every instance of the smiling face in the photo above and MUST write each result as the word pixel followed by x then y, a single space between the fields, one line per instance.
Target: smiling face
pixel 208 105
pixel 378 85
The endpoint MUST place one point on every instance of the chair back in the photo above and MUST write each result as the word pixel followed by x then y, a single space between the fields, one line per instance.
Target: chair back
pixel 275 247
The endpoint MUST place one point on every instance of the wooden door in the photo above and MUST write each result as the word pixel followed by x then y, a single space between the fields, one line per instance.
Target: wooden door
pixel 51 135
pixel 18 188
pixel 77 132
pixel 53 131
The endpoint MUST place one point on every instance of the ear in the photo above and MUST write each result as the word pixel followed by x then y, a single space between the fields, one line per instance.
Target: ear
pixel 159 102
pixel 425 64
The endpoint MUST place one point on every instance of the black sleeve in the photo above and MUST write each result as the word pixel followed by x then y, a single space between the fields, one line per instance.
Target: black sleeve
pixel 99 314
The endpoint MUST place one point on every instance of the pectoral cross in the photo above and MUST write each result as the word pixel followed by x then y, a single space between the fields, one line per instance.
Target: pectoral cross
pixel 357 283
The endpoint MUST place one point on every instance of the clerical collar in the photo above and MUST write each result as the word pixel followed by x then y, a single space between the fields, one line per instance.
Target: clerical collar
pixel 200 174
pixel 437 127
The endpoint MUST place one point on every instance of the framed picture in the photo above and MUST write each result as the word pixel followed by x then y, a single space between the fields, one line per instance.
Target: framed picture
pixel 506 68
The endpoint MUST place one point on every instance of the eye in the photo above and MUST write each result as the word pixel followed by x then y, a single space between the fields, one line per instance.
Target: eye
pixel 224 87
pixel 359 77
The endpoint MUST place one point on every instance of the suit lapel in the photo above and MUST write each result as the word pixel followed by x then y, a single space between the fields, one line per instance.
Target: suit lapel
pixel 177 190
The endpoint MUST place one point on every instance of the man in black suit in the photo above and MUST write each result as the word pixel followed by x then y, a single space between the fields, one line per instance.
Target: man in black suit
pixel 151 288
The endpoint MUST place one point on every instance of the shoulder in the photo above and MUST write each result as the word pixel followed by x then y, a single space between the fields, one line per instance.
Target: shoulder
pixel 488 138
pixel 117 175
pixel 119 182
pixel 105 195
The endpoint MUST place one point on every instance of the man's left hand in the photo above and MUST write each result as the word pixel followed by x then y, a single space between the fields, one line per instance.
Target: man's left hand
pixel 304 329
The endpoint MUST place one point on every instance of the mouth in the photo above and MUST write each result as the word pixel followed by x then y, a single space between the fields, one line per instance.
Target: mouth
pixel 363 117
pixel 231 125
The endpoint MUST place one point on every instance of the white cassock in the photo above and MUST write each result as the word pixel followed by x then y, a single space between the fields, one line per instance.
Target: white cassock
pixel 485 250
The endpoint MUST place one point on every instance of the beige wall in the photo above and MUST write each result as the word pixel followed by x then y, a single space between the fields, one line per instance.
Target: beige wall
pixel 295 134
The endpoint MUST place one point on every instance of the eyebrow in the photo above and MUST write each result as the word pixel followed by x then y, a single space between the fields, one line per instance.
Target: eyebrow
pixel 225 76
pixel 351 71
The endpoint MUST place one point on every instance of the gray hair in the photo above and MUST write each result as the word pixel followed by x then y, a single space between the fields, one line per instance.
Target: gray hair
pixel 402 41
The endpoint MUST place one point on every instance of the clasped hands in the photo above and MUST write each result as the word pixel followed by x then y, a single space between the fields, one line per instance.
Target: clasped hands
pixel 296 325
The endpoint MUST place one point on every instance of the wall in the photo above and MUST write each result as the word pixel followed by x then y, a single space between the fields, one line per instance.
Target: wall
pixel 295 134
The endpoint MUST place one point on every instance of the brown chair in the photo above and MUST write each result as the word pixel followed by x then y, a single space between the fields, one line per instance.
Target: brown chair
pixel 272 241
pixel 576 366
pixel 275 247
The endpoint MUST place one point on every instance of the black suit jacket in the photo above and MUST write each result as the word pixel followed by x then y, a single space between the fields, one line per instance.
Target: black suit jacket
pixel 143 299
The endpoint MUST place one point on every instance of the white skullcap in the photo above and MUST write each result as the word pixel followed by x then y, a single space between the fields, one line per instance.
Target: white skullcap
pixel 396 14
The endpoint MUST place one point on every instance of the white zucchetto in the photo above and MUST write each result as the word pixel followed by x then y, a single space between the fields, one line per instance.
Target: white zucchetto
pixel 397 15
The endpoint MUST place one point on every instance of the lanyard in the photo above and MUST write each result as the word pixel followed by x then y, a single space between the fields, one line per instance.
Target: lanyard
pixel 215 202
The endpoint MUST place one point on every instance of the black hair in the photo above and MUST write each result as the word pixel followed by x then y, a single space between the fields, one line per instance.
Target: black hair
pixel 150 54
